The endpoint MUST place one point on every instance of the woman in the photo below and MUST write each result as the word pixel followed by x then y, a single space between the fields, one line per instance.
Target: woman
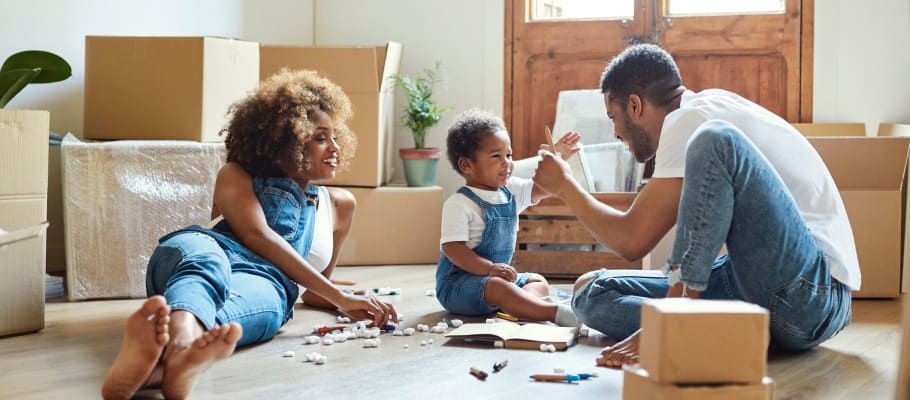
pixel 236 283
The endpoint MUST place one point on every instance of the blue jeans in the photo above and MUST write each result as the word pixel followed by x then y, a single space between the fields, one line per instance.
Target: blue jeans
pixel 732 195
pixel 197 275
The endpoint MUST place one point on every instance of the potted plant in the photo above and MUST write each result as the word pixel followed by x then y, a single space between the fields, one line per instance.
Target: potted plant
pixel 420 114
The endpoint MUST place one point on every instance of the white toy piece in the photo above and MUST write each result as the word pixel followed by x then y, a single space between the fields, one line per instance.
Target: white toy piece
pixel 409 331
pixel 547 348
pixel 288 353
pixel 311 339
pixel 423 327
pixel 457 322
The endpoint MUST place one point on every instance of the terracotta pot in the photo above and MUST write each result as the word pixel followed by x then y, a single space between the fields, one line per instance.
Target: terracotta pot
pixel 420 165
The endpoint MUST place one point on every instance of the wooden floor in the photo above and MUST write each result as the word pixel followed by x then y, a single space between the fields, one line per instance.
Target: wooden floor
pixel 70 357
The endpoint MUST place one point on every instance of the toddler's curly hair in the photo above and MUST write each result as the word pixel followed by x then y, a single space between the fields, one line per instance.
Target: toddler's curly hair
pixel 466 133
pixel 268 128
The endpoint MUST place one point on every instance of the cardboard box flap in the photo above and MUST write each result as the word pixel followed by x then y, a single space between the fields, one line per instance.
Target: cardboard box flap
pixel 343 65
pixel 889 129
pixel 832 129
pixel 877 163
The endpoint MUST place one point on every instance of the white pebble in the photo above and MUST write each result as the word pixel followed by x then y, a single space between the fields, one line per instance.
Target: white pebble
pixel 397 333
pixel 321 360
pixel 547 348
pixel 457 322
pixel 408 331
pixel 312 339
pixel 429 341
pixel 370 343
pixel 342 319
pixel 288 353
pixel 328 341
pixel 405 345
pixel 423 327
pixel 438 329
pixel 431 292
pixel 423 342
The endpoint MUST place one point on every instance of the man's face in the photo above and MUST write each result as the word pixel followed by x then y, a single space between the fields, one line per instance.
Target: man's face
pixel 634 135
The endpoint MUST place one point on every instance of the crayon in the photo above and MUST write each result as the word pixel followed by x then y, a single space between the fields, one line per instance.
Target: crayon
pixel 343 282
pixel 507 317
pixel 569 378
pixel 500 365
pixel 478 374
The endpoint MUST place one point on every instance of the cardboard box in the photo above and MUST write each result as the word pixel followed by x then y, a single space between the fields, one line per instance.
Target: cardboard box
pixel 363 73
pixel 177 88
pixel 23 152
pixel 638 386
pixel 870 173
pixel 22 280
pixel 687 341
pixel 902 389
pixel 394 225
pixel 116 205
pixel 901 130
pixel 832 129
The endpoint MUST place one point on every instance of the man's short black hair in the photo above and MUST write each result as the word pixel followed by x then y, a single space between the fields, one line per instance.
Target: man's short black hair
pixel 643 69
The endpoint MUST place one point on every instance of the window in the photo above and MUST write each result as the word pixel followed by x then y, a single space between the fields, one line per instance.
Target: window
pixel 544 10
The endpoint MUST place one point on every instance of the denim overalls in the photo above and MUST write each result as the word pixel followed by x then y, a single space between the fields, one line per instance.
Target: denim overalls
pixel 210 274
pixel 461 292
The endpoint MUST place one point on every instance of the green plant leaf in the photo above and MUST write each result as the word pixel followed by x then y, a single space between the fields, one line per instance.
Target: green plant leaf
pixel 53 68
pixel 12 81
pixel 421 113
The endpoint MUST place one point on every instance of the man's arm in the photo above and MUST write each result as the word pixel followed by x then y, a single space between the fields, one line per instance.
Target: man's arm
pixel 631 234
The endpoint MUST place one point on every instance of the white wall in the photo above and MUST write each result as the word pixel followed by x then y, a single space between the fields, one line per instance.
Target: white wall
pixel 466 36
pixel 862 62
pixel 60 26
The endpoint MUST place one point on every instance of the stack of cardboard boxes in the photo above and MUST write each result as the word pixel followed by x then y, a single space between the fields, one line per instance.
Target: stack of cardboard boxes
pixel 165 101
pixel 700 349
pixel 23 212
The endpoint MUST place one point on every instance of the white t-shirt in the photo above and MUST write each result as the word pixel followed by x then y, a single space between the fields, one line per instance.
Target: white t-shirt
pixel 462 218
pixel 792 156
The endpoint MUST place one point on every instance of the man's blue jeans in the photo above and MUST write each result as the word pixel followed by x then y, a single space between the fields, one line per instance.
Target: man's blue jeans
pixel 732 195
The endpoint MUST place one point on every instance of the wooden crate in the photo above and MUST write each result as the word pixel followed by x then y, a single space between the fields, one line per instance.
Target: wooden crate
pixel 550 223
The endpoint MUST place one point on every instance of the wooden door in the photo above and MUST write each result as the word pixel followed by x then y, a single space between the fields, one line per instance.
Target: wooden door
pixel 765 57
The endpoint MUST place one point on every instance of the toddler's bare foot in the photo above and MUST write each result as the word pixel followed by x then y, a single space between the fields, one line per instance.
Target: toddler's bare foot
pixel 183 367
pixel 145 336
pixel 621 353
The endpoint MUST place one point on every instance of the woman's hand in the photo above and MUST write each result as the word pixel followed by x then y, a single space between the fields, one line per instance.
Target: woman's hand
pixel 367 307
pixel 504 271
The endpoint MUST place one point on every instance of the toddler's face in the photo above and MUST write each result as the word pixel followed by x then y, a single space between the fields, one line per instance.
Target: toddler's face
pixel 492 164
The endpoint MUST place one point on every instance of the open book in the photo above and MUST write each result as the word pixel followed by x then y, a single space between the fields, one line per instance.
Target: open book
pixel 517 336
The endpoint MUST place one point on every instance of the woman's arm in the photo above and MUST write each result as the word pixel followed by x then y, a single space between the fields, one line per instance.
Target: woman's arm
pixel 344 204
pixel 238 204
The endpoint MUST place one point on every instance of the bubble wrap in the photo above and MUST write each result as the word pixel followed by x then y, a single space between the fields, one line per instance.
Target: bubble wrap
pixel 119 197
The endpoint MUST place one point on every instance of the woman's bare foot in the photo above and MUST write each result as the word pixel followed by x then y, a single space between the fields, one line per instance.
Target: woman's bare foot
pixel 145 336
pixel 184 366
pixel 621 353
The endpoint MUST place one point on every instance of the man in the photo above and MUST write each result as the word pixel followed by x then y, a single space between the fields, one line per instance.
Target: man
pixel 727 171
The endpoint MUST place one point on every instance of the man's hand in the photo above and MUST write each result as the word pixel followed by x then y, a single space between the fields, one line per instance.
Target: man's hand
pixel 552 173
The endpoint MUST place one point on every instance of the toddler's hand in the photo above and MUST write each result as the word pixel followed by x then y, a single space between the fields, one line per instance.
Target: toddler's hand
pixel 504 271
pixel 566 146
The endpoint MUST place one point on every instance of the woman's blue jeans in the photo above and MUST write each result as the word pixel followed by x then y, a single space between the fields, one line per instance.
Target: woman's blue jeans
pixel 731 195
pixel 194 273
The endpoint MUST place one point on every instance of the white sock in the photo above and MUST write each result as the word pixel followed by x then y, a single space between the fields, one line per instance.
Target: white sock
pixel 565 316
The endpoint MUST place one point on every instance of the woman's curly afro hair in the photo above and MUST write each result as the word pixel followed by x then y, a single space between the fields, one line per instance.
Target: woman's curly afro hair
pixel 268 128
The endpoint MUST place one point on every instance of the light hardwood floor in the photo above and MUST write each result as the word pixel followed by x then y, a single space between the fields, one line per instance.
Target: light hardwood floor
pixel 70 357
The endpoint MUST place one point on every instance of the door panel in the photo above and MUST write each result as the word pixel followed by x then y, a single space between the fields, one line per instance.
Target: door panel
pixel 756 55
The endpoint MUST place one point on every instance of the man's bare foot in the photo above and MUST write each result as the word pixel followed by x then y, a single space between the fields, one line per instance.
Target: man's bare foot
pixel 145 336
pixel 183 367
pixel 621 353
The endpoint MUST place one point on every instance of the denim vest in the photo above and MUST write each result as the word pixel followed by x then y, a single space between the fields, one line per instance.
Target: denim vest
pixel 290 211
pixel 497 243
